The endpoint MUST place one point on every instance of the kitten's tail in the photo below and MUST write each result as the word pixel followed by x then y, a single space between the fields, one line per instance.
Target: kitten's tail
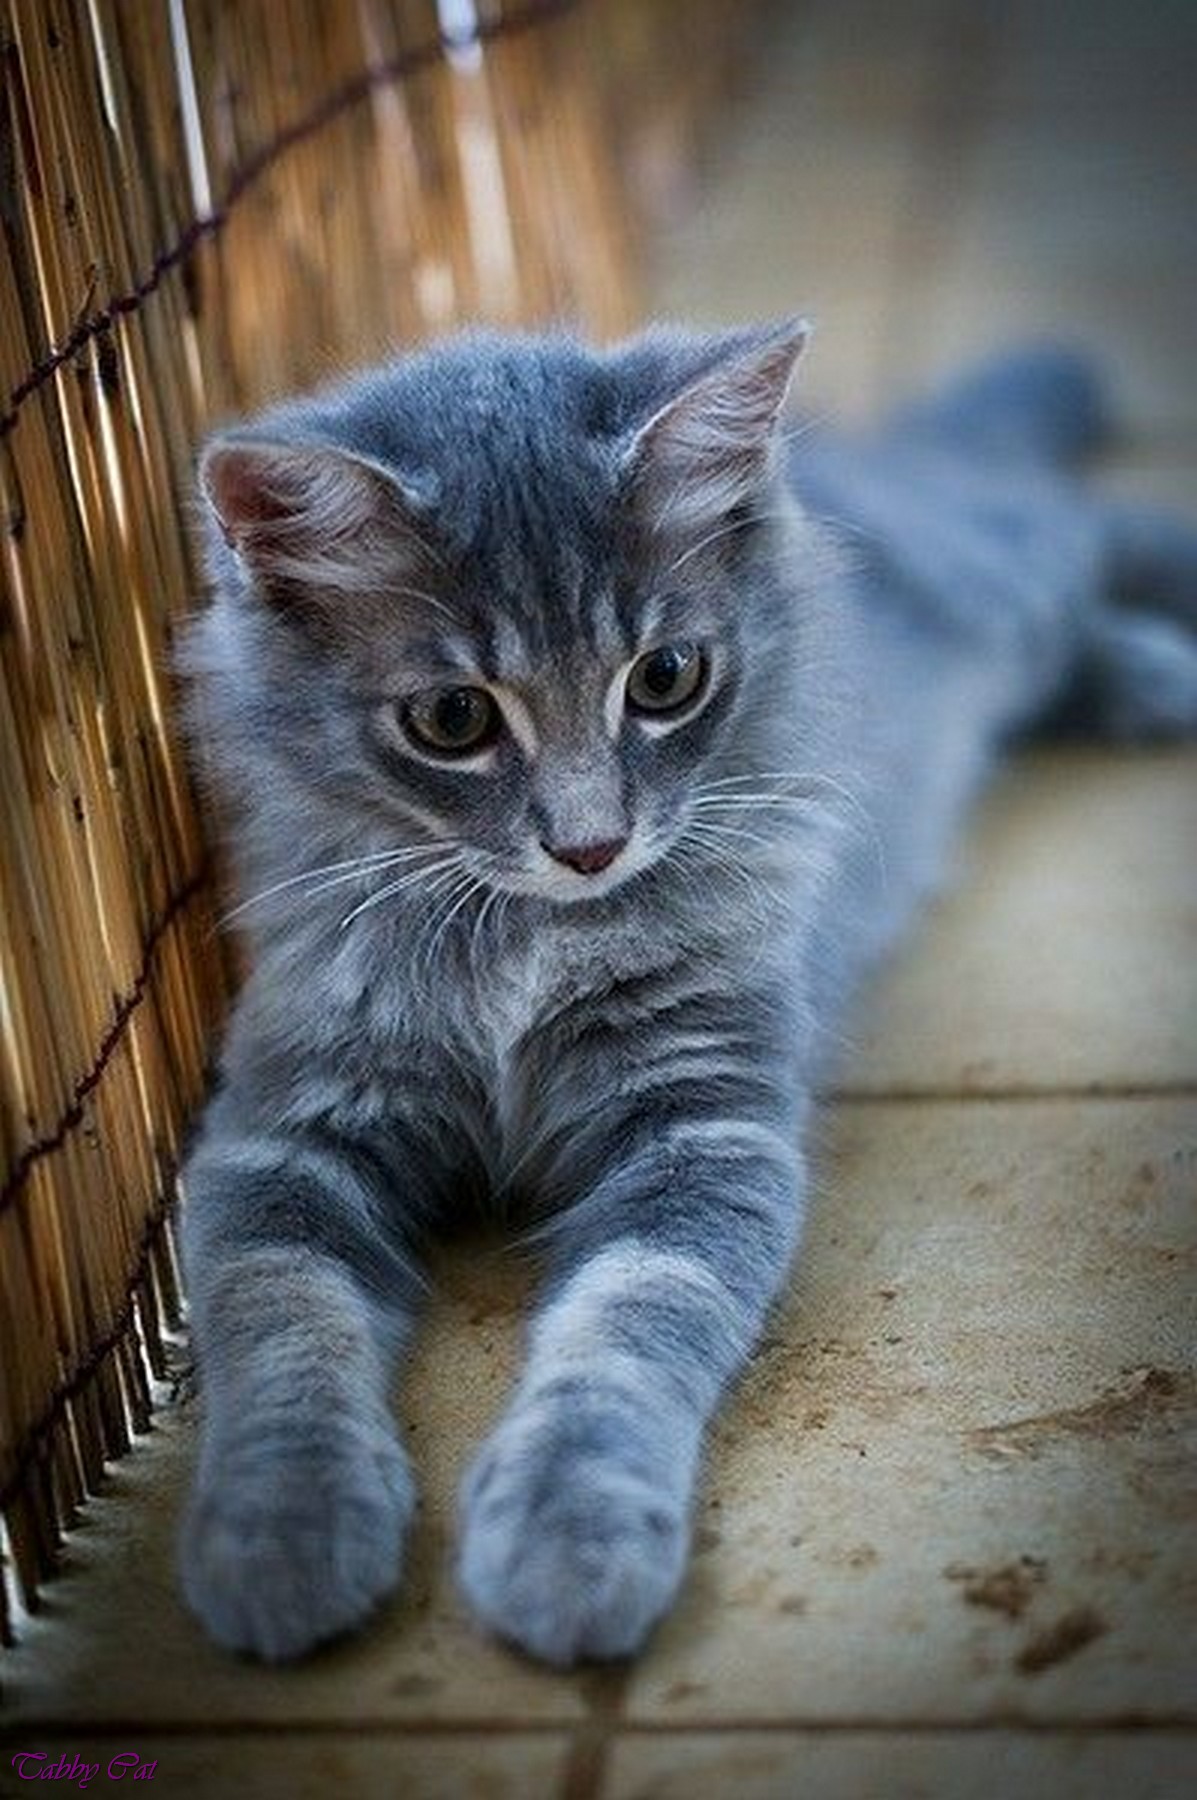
pixel 1042 404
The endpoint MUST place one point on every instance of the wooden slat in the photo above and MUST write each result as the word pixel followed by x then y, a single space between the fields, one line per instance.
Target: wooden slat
pixel 349 190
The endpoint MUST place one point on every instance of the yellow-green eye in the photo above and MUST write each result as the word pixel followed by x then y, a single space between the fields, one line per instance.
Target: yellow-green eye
pixel 666 679
pixel 454 721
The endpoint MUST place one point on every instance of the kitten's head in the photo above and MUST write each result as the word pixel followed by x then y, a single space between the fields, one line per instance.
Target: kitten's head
pixel 512 597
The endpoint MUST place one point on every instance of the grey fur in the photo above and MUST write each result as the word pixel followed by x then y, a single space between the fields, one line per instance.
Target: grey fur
pixel 625 1061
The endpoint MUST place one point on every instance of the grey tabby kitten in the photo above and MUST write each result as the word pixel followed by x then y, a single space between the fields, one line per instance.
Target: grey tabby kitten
pixel 585 742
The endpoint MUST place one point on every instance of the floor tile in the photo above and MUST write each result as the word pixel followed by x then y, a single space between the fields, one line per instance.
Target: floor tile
pixel 114 1643
pixel 311 1766
pixel 888 1766
pixel 983 1361
pixel 1064 955
pixel 957 1484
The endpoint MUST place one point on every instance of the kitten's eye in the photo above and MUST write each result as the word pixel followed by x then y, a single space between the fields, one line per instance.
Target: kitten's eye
pixel 666 679
pixel 454 721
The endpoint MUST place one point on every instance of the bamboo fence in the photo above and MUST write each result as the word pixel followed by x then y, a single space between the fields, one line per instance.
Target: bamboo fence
pixel 204 203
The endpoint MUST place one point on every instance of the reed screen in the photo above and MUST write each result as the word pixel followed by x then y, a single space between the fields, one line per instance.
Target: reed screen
pixel 207 203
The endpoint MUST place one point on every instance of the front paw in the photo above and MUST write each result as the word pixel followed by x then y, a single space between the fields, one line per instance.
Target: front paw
pixel 286 1545
pixel 569 1549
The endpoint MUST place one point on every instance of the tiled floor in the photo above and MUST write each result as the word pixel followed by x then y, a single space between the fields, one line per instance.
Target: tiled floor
pixel 946 1547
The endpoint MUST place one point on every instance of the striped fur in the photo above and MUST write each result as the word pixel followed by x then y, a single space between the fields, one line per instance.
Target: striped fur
pixel 441 1016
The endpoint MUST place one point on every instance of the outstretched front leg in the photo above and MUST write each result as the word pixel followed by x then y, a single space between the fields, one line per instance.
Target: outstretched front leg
pixel 576 1513
pixel 303 1291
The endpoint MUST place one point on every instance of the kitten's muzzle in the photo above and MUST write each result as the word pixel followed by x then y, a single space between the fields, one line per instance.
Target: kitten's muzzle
pixel 587 859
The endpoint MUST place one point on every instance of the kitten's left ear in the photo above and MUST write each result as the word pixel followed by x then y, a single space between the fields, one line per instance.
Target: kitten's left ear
pixel 309 521
pixel 708 449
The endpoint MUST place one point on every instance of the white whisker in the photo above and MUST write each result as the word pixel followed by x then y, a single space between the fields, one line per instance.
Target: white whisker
pixel 368 862
pixel 412 878
pixel 732 797
pixel 689 850
pixel 496 898
pixel 457 894
pixel 322 887
pixel 729 833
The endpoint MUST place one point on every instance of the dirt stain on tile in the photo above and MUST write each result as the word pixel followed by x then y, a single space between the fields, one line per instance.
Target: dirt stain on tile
pixel 683 1690
pixel 1008 1588
pixel 1137 1197
pixel 856 1556
pixel 811 1378
pixel 1123 1561
pixel 1144 1397
pixel 752 1591
pixel 1070 1633
pixel 415 1687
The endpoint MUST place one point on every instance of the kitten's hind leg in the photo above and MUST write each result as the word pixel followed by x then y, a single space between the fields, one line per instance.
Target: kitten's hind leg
pixel 1152 561
pixel 1043 403
pixel 1135 677
pixel 576 1514
pixel 303 1494
pixel 1136 680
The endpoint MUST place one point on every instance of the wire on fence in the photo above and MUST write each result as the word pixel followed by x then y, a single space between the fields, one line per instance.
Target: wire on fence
pixel 379 178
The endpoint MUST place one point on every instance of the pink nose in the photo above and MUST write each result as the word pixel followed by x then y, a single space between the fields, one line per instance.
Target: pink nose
pixel 587 859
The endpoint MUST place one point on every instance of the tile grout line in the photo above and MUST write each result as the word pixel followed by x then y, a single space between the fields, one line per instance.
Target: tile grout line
pixel 601 1727
pixel 584 1775
pixel 1014 1094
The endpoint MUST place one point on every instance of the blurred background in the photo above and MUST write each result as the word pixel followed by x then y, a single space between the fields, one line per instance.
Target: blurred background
pixel 207 203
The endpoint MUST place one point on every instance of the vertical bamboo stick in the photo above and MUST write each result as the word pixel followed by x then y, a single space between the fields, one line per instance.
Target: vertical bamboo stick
pixel 211 204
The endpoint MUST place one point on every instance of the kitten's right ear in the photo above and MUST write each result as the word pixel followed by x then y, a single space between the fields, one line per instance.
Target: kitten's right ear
pixel 708 448
pixel 308 519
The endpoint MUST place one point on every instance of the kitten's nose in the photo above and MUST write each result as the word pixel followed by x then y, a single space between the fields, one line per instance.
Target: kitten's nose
pixel 587 859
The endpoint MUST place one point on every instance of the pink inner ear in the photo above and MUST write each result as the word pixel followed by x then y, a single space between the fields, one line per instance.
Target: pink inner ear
pixel 309 517
pixel 708 447
pixel 232 496
pixel 298 487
